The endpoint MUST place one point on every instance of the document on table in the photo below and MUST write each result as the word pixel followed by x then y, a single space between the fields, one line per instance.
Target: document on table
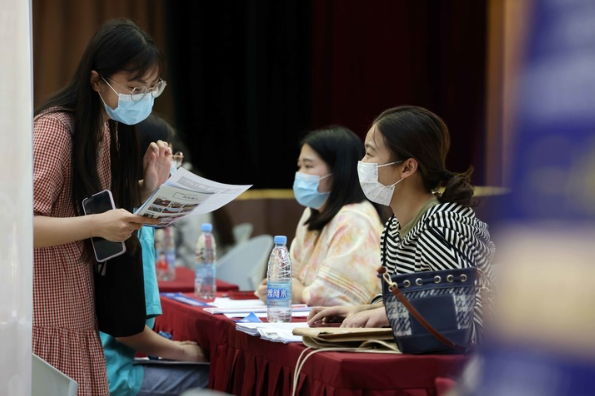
pixel 225 302
pixel 294 314
pixel 275 332
pixel 186 300
pixel 185 194
pixel 256 308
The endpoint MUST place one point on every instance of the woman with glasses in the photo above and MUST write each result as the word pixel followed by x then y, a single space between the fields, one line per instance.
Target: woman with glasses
pixel 84 142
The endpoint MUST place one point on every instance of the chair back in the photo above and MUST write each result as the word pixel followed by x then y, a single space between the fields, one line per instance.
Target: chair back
pixel 46 380
pixel 242 232
pixel 245 264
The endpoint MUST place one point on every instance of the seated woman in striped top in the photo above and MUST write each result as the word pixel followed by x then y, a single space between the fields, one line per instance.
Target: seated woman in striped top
pixel 404 165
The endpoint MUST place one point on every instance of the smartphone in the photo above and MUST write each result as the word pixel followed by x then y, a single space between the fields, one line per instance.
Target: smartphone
pixel 99 203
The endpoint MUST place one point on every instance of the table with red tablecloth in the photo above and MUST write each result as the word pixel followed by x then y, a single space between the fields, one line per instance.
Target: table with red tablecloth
pixel 242 364
pixel 184 283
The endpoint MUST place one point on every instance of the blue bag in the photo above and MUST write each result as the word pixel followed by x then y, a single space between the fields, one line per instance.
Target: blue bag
pixel 431 311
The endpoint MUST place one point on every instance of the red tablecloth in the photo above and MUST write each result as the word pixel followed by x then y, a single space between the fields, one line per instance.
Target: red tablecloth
pixel 247 365
pixel 184 283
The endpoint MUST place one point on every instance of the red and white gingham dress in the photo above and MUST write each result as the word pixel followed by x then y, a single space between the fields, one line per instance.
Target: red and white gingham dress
pixel 64 325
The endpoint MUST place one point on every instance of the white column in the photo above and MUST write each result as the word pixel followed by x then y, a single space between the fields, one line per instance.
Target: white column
pixel 16 197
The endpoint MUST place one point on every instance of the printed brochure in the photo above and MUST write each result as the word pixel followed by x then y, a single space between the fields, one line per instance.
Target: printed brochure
pixel 185 194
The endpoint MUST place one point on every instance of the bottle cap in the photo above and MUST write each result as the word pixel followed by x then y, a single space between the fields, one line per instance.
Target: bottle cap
pixel 206 227
pixel 280 239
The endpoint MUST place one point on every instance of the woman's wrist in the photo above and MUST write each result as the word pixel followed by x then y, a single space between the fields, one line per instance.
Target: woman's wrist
pixel 144 192
pixel 91 225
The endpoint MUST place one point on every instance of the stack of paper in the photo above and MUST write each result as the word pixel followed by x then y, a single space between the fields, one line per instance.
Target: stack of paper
pixel 298 310
pixel 275 332
pixel 186 300
pixel 226 302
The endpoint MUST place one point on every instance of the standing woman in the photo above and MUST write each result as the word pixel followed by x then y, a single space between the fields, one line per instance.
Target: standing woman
pixel 84 141
pixel 404 166
pixel 336 248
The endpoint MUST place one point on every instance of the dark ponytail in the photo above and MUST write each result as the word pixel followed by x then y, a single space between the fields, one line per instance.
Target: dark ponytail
pixel 415 132
pixel 458 188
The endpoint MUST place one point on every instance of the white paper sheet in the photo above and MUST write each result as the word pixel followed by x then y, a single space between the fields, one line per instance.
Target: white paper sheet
pixel 256 309
pixel 299 314
pixel 275 332
pixel 185 194
pixel 224 302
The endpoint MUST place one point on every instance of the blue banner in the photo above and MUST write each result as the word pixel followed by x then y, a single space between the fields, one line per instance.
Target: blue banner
pixel 540 343
pixel 553 170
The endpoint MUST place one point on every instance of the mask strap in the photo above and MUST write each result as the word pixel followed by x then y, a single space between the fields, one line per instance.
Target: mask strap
pixel 397 182
pixel 391 163
pixel 101 97
pixel 325 176
pixel 105 104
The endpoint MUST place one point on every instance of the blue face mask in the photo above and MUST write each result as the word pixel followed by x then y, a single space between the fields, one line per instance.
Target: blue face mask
pixel 305 189
pixel 129 111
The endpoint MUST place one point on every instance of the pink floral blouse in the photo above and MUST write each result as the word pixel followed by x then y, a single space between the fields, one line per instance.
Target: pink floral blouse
pixel 338 264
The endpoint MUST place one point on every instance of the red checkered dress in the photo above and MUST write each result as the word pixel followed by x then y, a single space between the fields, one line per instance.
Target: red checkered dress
pixel 64 325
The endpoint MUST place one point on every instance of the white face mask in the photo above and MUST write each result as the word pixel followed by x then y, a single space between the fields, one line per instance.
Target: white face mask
pixel 373 189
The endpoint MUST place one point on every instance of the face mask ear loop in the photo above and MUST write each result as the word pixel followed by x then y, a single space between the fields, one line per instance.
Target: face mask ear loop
pixel 397 182
pixel 392 163
pixel 105 104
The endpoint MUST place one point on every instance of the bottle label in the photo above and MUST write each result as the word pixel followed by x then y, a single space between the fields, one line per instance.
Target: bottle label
pixel 278 291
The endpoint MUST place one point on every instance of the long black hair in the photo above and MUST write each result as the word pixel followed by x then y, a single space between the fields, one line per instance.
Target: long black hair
pixel 415 132
pixel 340 148
pixel 119 45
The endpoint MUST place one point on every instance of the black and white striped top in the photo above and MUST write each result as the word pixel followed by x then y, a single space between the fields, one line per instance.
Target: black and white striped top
pixel 447 236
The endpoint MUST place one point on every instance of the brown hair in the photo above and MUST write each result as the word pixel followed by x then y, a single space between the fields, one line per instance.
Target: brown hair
pixel 415 132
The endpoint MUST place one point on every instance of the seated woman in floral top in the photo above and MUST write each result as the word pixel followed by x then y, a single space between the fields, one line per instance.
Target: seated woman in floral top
pixel 336 248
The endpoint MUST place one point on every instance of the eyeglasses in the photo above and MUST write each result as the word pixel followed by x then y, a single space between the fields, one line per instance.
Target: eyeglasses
pixel 138 93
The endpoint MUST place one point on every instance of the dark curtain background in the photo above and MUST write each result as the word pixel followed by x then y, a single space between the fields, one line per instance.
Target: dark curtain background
pixel 242 82
pixel 252 74
pixel 62 29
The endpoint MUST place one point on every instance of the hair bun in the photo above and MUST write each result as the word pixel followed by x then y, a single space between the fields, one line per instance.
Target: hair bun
pixel 446 175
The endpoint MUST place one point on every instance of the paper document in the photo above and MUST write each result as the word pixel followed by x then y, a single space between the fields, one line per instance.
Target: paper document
pixel 184 194
pixel 185 299
pixel 256 309
pixel 294 314
pixel 226 302
pixel 275 332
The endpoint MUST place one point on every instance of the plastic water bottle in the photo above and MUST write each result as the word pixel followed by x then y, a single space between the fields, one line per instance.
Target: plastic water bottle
pixel 165 254
pixel 279 282
pixel 206 259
